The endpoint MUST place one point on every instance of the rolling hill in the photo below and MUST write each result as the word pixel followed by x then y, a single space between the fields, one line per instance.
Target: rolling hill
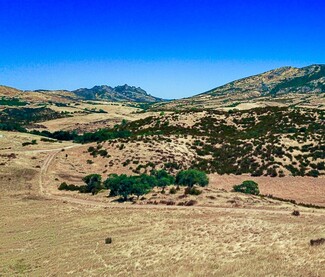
pixel 282 86
pixel 310 79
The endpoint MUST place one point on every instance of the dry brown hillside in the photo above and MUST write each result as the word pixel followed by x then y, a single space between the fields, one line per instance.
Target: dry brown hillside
pixel 286 86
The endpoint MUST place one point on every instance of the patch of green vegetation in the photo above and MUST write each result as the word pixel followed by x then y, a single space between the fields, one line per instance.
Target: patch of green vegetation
pixel 95 151
pixel 299 81
pixel 94 110
pixel 192 177
pixel 33 142
pixel 12 102
pixel 233 105
pixel 124 186
pixel 26 116
pixel 248 187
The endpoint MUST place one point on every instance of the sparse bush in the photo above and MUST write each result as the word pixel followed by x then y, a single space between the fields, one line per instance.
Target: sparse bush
pixel 190 203
pixel 63 186
pixel 313 173
pixel 172 190
pixel 192 191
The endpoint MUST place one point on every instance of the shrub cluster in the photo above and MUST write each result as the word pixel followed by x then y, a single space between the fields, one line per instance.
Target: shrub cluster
pixel 124 186
pixel 33 142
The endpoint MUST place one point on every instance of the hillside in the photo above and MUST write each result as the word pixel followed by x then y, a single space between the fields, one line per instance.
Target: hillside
pixel 282 87
pixel 310 79
pixel 268 141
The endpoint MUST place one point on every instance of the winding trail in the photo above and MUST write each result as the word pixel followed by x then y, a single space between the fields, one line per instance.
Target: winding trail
pixel 46 164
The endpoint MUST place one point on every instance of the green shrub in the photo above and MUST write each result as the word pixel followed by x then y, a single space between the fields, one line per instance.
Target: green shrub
pixel 65 186
pixel 93 183
pixel 33 142
pixel 248 187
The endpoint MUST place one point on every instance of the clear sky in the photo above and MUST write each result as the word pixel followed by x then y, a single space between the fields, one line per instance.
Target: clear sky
pixel 170 48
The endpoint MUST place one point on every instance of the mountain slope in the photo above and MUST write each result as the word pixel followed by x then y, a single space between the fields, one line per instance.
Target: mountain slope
pixel 282 86
pixel 119 93
pixel 282 80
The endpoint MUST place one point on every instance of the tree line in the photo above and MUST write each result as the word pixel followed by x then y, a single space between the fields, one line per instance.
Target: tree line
pixel 125 186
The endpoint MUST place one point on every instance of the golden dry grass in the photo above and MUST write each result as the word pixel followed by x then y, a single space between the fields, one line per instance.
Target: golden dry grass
pixel 301 189
pixel 83 121
pixel 245 101
pixel 48 238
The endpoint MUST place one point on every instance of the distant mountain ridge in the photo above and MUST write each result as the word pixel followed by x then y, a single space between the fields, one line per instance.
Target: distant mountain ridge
pixel 123 93
pixel 116 94
pixel 275 84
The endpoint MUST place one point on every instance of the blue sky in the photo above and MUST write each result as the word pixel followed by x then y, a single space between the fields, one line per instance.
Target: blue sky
pixel 169 48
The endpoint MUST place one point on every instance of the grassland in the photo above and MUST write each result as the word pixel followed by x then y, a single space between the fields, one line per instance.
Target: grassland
pixel 42 237
pixel 229 234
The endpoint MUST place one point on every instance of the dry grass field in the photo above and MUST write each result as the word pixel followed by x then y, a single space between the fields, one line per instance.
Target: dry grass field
pixel 42 237
pixel 245 101
pixel 83 120
pixel 45 232
pixel 300 189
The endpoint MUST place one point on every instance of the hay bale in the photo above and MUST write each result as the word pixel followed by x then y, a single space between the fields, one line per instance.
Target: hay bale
pixel 108 240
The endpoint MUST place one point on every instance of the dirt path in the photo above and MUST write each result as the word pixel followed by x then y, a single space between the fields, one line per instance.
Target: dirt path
pixel 44 170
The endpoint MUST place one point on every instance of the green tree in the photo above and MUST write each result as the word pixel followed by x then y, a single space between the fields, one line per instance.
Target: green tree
pixel 163 178
pixel 192 177
pixel 139 189
pixel 163 183
pixel 147 179
pixel 126 187
pixel 120 185
pixel 93 183
pixel 112 183
pixel 248 187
